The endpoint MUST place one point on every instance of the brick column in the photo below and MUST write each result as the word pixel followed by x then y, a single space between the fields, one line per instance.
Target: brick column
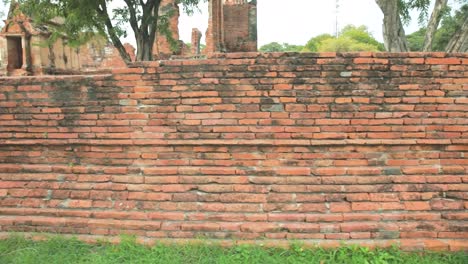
pixel 196 37
pixel 214 34
pixel 162 46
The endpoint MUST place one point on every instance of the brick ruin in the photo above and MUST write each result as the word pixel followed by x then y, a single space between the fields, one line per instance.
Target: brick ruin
pixel 166 46
pixel 360 148
pixel 196 38
pixel 25 50
pixel 232 26
pixel 20 54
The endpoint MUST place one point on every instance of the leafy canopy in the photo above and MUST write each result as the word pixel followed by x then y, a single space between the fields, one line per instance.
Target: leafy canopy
pixel 277 47
pixel 81 20
pixel 450 24
pixel 350 39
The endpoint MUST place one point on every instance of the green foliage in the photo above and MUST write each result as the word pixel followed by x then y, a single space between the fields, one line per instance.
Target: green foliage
pixel 361 35
pixel 405 6
pixel 345 44
pixel 450 24
pixel 61 251
pixel 277 47
pixel 81 20
pixel 416 40
pixel 78 21
pixel 350 39
pixel 313 44
pixel 271 47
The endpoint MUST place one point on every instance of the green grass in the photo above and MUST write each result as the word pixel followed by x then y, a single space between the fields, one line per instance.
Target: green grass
pixel 61 250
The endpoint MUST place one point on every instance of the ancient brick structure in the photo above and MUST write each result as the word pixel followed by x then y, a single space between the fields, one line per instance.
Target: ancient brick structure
pixel 163 48
pixel 196 37
pixel 102 58
pixel 24 50
pixel 232 26
pixel 358 148
pixel 21 54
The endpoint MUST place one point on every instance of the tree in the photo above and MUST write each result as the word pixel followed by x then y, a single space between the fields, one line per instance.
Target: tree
pixel 459 23
pixel 313 44
pixel 350 39
pixel 393 31
pixel 277 47
pixel 434 21
pixel 91 16
pixel 445 37
pixel 397 13
pixel 416 40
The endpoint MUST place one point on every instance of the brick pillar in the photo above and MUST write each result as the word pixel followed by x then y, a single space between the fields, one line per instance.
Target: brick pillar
pixel 3 56
pixel 240 25
pixel 214 33
pixel 196 37
pixel 162 46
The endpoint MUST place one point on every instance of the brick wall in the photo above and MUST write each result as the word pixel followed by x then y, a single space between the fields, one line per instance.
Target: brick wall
pixel 364 148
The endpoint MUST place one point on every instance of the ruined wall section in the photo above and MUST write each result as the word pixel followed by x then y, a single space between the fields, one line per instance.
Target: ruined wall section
pixel 232 26
pixel 240 25
pixel 3 56
pixel 165 46
pixel 324 148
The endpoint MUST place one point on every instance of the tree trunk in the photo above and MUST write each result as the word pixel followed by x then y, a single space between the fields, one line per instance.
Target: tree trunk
pixel 459 41
pixel 393 31
pixel 144 48
pixel 102 11
pixel 144 43
pixel 146 33
pixel 434 23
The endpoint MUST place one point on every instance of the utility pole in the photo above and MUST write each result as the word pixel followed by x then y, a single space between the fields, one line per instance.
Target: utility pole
pixel 337 11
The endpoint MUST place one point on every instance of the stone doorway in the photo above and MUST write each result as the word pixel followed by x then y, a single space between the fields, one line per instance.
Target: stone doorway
pixel 15 53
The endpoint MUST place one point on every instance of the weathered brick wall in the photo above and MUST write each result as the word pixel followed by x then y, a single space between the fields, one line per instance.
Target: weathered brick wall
pixel 367 148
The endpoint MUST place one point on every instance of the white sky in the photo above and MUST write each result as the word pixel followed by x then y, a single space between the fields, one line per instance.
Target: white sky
pixel 296 21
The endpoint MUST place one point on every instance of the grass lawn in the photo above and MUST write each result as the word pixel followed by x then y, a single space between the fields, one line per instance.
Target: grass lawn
pixel 61 250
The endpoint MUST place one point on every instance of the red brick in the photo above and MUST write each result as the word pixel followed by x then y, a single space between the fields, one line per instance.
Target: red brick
pixel 446 204
pixel 417 206
pixel 443 61
pixel 260 227
pixel 420 170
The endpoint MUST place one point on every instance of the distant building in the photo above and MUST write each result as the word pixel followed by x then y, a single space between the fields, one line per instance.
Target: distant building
pixel 25 50
pixel 232 26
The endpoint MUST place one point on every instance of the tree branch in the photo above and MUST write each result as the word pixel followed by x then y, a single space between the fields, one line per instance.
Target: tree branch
pixel 459 41
pixel 133 19
pixel 434 21
pixel 102 11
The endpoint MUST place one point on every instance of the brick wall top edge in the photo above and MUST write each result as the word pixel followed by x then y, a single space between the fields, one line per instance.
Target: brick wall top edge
pixel 241 55
pixel 276 55
pixel 5 80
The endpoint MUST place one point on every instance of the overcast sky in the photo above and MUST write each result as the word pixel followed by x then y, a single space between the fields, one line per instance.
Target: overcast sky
pixel 296 21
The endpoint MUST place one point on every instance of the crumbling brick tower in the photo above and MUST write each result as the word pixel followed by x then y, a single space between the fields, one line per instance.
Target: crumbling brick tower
pixel 163 48
pixel 232 26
